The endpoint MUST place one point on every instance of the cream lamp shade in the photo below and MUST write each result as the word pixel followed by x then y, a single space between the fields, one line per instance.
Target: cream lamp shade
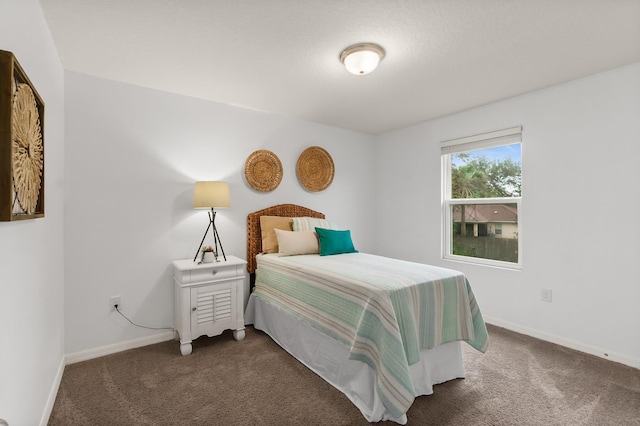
pixel 208 195
pixel 362 58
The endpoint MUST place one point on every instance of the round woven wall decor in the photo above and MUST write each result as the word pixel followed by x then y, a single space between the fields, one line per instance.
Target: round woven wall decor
pixel 263 170
pixel 315 169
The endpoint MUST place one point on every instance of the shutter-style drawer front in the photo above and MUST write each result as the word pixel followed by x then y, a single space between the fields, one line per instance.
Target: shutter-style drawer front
pixel 212 308
pixel 213 305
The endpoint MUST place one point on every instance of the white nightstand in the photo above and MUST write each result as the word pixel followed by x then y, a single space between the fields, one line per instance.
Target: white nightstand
pixel 209 299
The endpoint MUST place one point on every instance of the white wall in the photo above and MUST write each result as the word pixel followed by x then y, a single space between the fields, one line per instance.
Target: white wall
pixel 31 252
pixel 132 157
pixel 580 204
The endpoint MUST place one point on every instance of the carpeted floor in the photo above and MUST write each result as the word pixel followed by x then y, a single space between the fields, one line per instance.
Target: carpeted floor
pixel 519 381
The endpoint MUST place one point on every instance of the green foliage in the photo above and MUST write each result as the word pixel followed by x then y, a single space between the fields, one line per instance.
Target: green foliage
pixel 478 177
pixel 461 249
pixel 502 249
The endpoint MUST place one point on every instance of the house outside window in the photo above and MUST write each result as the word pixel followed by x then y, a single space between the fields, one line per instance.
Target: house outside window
pixel 482 195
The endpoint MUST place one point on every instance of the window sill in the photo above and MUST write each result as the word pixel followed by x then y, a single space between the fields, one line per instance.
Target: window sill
pixel 484 262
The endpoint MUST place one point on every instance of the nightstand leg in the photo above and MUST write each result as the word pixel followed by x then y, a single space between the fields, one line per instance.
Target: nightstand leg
pixel 185 348
pixel 238 334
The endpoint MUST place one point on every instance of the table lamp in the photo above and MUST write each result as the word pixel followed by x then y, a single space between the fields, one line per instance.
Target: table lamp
pixel 211 195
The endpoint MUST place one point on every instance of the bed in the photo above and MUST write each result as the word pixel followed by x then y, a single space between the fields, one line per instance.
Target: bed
pixel 382 331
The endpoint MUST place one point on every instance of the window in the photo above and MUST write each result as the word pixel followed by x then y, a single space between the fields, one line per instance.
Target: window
pixel 482 193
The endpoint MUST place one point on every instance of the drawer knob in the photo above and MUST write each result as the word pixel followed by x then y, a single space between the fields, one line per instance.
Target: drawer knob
pixel 214 272
pixel 195 308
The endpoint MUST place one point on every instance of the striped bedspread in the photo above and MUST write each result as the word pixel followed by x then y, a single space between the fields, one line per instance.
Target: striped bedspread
pixel 384 309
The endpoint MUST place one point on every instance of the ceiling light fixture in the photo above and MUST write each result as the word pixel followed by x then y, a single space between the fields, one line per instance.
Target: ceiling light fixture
pixel 361 59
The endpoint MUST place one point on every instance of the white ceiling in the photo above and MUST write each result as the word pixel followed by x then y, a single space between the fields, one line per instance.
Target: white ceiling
pixel 281 56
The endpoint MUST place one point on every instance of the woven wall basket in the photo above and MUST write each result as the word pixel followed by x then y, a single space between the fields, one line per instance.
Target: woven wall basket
pixel 315 169
pixel 263 170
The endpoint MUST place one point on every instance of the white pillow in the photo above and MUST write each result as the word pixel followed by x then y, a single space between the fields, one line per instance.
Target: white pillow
pixel 292 243
pixel 310 224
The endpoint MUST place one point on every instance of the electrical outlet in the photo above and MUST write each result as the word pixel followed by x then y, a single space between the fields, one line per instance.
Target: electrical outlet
pixel 545 295
pixel 113 301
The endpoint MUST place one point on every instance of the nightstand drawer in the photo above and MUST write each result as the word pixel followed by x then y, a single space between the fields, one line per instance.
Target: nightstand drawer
pixel 209 274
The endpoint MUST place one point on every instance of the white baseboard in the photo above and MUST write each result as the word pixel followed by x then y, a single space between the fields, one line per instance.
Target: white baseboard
pixel 568 343
pixel 46 413
pixel 117 347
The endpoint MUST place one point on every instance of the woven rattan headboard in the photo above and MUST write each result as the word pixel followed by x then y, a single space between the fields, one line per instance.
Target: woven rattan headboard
pixel 254 236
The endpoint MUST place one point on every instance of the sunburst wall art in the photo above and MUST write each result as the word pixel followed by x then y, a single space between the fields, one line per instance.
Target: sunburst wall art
pixel 21 143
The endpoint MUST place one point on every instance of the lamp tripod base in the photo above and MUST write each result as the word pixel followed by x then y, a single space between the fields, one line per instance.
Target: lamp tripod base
pixel 216 238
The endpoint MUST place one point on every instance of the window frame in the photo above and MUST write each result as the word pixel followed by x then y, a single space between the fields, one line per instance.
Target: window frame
pixel 448 148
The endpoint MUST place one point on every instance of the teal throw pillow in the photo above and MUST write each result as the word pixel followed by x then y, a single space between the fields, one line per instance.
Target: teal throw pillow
pixel 333 241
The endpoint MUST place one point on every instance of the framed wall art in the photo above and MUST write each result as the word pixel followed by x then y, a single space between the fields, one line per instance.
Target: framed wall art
pixel 21 143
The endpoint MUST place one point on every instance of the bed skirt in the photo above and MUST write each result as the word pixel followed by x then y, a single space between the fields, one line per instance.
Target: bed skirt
pixel 329 359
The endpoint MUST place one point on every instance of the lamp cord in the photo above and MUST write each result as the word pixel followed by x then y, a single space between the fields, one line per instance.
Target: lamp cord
pixel 141 326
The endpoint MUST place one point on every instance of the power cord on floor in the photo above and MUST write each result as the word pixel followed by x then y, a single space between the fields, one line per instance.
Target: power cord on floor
pixel 138 325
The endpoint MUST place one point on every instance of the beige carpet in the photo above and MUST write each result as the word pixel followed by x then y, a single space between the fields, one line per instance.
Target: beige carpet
pixel 519 381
